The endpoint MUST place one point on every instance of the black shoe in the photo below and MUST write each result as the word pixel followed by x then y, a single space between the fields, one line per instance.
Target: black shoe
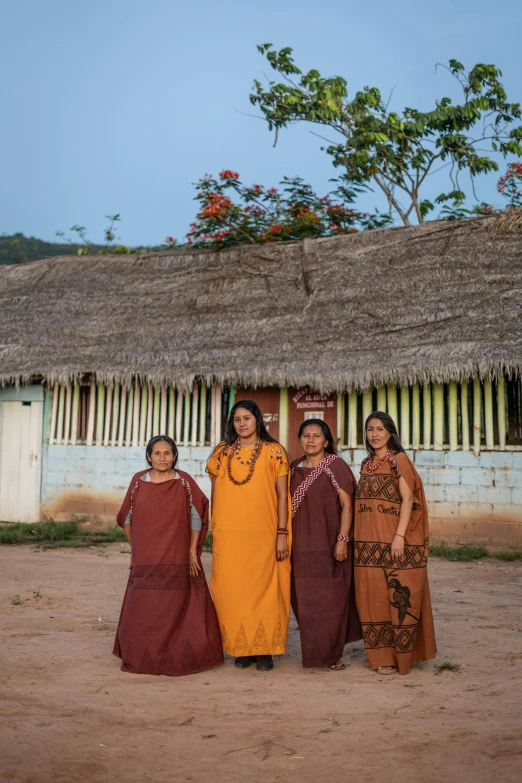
pixel 264 663
pixel 245 662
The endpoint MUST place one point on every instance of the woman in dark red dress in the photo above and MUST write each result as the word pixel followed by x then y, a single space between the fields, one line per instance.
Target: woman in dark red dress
pixel 323 490
pixel 168 624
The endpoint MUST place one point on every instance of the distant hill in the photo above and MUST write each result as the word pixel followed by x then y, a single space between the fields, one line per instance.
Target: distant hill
pixel 18 248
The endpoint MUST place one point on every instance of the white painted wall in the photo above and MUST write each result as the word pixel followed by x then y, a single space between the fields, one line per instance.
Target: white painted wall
pixel 469 497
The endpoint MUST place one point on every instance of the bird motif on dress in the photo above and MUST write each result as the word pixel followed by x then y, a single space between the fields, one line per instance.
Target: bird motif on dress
pixel 400 599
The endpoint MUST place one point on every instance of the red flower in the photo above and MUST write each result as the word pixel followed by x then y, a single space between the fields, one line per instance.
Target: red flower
pixel 170 240
pixel 227 174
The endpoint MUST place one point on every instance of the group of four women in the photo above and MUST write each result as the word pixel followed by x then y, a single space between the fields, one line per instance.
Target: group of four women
pixel 350 559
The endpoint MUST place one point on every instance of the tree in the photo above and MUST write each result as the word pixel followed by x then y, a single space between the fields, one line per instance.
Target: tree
pixel 510 184
pixel 397 152
pixel 231 214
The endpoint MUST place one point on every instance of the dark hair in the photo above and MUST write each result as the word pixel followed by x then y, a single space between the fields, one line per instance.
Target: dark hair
pixel 330 445
pixel 156 439
pixel 253 408
pixel 394 443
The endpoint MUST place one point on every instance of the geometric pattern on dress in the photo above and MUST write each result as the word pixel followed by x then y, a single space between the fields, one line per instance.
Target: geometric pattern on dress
pixel 160 577
pixel 241 647
pixel 167 665
pixel 260 641
pixel 385 634
pixel 186 486
pixel 377 554
pixel 304 486
pixel 277 637
pixel 146 666
pixel 189 663
pixel 224 638
pixel 405 637
pixel 211 656
pixel 313 565
pixel 259 645
pixel 378 635
pixel 381 486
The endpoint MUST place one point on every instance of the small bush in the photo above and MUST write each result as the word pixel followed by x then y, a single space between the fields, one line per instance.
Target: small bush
pixel 16 600
pixel 508 554
pixel 12 534
pixel 54 535
pixel 447 667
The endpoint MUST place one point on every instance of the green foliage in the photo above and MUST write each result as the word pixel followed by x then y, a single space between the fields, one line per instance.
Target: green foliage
pixel 52 534
pixel 233 214
pixel 447 667
pixel 207 545
pixel 17 248
pixel 397 152
pixel 508 555
pixel 464 554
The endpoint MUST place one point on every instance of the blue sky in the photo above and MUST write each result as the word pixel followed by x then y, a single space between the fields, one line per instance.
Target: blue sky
pixel 120 105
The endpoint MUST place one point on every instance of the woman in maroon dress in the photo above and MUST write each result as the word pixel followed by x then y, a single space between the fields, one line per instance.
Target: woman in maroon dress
pixel 323 490
pixel 168 624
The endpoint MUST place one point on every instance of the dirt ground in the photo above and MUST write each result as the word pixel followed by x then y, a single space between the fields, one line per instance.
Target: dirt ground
pixel 69 714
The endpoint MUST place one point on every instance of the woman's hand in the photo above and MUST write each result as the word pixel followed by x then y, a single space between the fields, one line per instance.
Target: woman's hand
pixel 282 546
pixel 341 551
pixel 397 547
pixel 194 566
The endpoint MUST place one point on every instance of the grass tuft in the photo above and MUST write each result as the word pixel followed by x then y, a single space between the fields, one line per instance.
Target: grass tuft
pixel 508 554
pixel 16 600
pixel 465 553
pixel 447 667
pixel 55 535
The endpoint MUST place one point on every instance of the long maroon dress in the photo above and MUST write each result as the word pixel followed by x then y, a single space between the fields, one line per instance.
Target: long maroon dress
pixel 323 597
pixel 168 623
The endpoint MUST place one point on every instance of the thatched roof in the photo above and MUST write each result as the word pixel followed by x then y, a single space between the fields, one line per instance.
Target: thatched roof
pixel 442 301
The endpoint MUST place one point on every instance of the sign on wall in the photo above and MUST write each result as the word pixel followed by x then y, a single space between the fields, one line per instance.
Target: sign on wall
pixel 304 404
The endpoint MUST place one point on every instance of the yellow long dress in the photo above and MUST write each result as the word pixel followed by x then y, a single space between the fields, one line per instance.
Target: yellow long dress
pixel 251 588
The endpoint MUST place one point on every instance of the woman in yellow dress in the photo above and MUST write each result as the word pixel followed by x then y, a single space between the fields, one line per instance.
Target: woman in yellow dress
pixel 250 579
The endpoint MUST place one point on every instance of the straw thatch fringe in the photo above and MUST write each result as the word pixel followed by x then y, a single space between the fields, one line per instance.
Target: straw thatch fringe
pixel 437 302
pixel 508 222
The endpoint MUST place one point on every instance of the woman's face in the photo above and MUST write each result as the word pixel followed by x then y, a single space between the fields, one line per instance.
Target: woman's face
pixel 312 440
pixel 161 457
pixel 377 434
pixel 244 423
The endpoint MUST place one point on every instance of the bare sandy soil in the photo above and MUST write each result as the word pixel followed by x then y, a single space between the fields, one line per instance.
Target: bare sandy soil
pixel 69 714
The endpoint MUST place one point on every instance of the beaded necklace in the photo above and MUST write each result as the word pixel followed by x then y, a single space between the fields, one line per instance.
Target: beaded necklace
pixel 250 462
pixel 374 468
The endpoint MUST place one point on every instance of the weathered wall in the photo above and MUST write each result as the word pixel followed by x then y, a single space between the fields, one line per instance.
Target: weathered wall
pixel 470 497
pixel 92 480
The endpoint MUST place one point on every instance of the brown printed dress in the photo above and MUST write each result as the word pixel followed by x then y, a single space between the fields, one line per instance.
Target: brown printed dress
pixel 393 599
pixel 168 624
pixel 323 597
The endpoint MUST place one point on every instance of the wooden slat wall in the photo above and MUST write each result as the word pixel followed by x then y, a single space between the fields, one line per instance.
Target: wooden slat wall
pixel 432 416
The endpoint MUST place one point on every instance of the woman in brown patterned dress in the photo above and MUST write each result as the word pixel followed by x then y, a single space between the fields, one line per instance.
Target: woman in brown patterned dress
pixel 323 494
pixel 391 553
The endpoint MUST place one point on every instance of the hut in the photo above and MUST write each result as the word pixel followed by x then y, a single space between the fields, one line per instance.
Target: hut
pixel 98 353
